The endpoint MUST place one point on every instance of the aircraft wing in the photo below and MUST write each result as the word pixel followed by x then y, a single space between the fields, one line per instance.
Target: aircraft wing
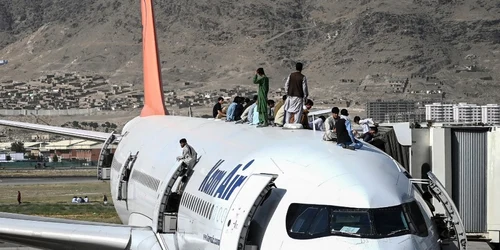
pixel 78 133
pixel 61 234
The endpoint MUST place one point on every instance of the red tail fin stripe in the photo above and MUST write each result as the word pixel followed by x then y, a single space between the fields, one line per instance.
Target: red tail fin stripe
pixel 154 101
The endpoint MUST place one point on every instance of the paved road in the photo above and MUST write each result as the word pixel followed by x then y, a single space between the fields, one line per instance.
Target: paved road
pixel 473 245
pixel 46 180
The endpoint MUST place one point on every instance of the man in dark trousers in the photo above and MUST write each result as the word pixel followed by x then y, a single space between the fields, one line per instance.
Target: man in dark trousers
pixel 19 197
pixel 345 138
pixel 297 93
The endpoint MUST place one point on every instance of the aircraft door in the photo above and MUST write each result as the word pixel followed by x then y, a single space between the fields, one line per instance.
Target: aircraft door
pixel 236 225
pixel 453 222
pixel 126 171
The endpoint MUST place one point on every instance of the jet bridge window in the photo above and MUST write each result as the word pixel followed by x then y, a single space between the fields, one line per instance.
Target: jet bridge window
pixel 306 221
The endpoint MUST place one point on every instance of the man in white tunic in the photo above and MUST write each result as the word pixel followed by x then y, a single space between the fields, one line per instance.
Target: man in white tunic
pixel 189 155
pixel 297 93
pixel 188 158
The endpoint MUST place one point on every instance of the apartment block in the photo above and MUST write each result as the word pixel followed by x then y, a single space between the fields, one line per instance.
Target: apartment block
pixel 379 110
pixel 439 112
pixel 463 112
pixel 490 114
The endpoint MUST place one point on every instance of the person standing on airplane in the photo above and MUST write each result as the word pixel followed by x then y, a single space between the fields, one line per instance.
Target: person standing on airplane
pixel 261 79
pixel 297 93
pixel 189 155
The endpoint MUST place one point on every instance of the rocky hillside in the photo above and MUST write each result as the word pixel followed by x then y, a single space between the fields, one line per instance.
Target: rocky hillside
pixel 221 42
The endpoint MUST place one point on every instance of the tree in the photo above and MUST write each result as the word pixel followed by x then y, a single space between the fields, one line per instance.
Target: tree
pixel 75 124
pixel 94 125
pixel 85 124
pixel 17 147
pixel 55 158
pixel 113 126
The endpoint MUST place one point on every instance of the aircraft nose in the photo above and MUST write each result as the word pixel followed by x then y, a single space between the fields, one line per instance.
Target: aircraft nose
pixel 328 243
pixel 399 243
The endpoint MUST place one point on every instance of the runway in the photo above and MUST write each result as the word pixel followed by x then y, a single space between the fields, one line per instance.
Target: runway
pixel 47 180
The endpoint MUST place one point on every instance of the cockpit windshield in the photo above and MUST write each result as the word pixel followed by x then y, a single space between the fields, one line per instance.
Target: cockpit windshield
pixel 306 221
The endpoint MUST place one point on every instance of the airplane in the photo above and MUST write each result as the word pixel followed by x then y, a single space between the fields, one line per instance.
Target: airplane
pixel 266 188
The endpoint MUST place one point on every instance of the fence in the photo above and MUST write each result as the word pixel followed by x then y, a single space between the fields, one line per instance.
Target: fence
pixel 47 112
pixel 51 165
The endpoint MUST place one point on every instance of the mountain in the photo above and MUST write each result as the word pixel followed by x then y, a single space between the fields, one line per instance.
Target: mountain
pixel 357 50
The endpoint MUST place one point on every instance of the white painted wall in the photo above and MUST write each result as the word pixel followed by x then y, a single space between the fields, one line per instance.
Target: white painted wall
pixel 440 141
pixel 493 186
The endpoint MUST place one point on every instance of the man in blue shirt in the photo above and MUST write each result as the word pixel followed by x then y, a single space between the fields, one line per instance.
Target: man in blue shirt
pixel 230 110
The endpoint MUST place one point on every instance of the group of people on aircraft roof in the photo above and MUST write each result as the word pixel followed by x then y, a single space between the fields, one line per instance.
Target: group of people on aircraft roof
pixel 293 108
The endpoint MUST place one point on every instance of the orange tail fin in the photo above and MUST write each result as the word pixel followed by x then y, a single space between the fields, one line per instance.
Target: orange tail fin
pixel 154 103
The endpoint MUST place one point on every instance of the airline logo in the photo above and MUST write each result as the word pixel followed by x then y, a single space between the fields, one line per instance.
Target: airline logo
pixel 218 185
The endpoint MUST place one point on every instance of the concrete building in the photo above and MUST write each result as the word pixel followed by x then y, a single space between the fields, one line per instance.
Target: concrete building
pixel 75 149
pixel 490 114
pixel 439 112
pixel 379 109
pixel 464 112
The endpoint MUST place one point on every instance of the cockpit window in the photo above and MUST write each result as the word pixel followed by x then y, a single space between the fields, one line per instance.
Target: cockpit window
pixel 306 221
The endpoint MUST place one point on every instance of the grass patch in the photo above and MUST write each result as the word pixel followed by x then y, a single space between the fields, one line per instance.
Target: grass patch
pixel 54 200
pixel 96 212
pixel 47 172
pixel 54 193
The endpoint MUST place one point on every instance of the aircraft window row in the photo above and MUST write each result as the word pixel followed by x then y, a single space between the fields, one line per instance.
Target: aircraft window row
pixel 306 221
pixel 197 205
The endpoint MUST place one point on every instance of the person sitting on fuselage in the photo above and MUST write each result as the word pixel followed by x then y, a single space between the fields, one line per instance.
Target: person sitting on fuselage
pixel 345 137
pixel 238 111
pixel 318 123
pixel 217 111
pixel 368 136
pixel 231 109
pixel 248 113
pixel 270 111
pixel 305 119
pixel 279 118
pixel 329 125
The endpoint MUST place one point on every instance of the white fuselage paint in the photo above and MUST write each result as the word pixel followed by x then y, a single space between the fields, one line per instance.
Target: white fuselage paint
pixel 309 171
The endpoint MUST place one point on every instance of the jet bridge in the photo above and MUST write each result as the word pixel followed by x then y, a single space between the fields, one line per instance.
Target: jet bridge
pixel 450 225
pixel 464 157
